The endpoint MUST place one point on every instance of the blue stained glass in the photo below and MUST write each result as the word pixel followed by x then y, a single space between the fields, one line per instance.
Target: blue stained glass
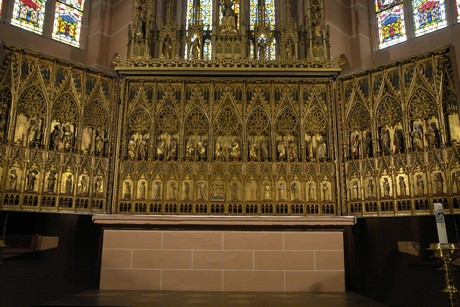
pixel 29 15
pixel 269 13
pixel 67 23
pixel 429 16
pixel 391 26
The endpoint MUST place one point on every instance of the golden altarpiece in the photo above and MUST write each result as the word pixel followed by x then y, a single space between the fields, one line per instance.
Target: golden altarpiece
pixel 231 115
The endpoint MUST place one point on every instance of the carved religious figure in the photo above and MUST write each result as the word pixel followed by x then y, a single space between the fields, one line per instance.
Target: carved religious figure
pixel 386 187
pixel 326 193
pixel 3 126
pixel 127 190
pixel 31 180
pixel 67 139
pixel 55 137
pixel 131 148
pixel 385 141
pixel 219 152
pixel 235 151
pixel 69 184
pixel 295 191
pixel 51 181
pixel 420 185
pixel 201 149
pixel 439 183
pixel 432 135
pixel 402 186
pixel 354 145
pixel 321 150
pixel 142 190
pixel 368 144
pixel 282 191
pixel 293 152
pixel 267 191
pixel 398 141
pixel 156 190
pixel 229 18
pixel 34 132
pixel 417 137
pixel 99 143
pixel 160 148
pixel 253 151
pixel 281 148
pixel 172 152
pixel 370 187
pixel 201 194
pixel 195 49
pixel 13 179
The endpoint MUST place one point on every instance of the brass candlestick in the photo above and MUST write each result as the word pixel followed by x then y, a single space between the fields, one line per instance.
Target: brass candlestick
pixel 447 252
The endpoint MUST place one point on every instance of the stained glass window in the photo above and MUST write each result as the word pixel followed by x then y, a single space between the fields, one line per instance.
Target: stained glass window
pixel 0 8
pixel 67 21
pixel 29 15
pixel 204 11
pixel 390 19
pixel 269 20
pixel 429 16
pixel 269 13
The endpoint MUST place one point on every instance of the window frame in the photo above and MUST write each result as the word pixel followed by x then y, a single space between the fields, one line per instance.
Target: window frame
pixel 452 19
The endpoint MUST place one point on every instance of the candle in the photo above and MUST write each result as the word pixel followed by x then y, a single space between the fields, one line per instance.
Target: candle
pixel 440 222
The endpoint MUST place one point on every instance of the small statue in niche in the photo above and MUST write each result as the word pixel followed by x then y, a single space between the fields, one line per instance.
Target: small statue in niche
pixel 131 148
pixel 433 136
pixel 160 149
pixel 172 153
pixel 55 137
pixel 34 132
pixel 385 141
pixel 386 187
pixel 31 179
pixel 420 185
pixel 295 191
pixel 167 48
pixel 293 152
pixel 326 191
pixel 195 49
pixel 84 185
pixel 69 184
pixel 281 147
pixel 142 190
pixel 370 188
pixel 262 50
pixel 235 151
pixel 141 23
pixel 189 151
pixel 321 150
pixel 156 190
pixel 127 190
pixel 13 179
pixel 98 189
pixel 355 189
pixel 187 190
pixel 417 137
pixel 264 152
pixel 311 191
pixel 439 183
pixel 234 191
pixel 172 190
pixel 201 149
pixel 99 142
pixel 402 186
pixel 456 181
pixel 282 191
pixel 267 191
pixel 309 149
pixel 253 151
pixel 51 181
pixel 354 146
pixel 201 194
pixel 289 48
pixel 368 144
pixel 219 152
pixel 3 127
pixel 229 18
pixel 398 141
pixel 67 139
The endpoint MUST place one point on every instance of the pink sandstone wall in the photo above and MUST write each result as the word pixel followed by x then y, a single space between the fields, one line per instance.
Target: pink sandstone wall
pixel 223 261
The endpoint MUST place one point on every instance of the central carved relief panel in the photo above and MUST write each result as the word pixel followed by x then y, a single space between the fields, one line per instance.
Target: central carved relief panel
pixel 227 147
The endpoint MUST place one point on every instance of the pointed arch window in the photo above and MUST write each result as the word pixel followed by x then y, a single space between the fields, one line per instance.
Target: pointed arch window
pixel 390 20
pixel 429 16
pixel 199 14
pixel 1 6
pixel 29 15
pixel 262 16
pixel 67 21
